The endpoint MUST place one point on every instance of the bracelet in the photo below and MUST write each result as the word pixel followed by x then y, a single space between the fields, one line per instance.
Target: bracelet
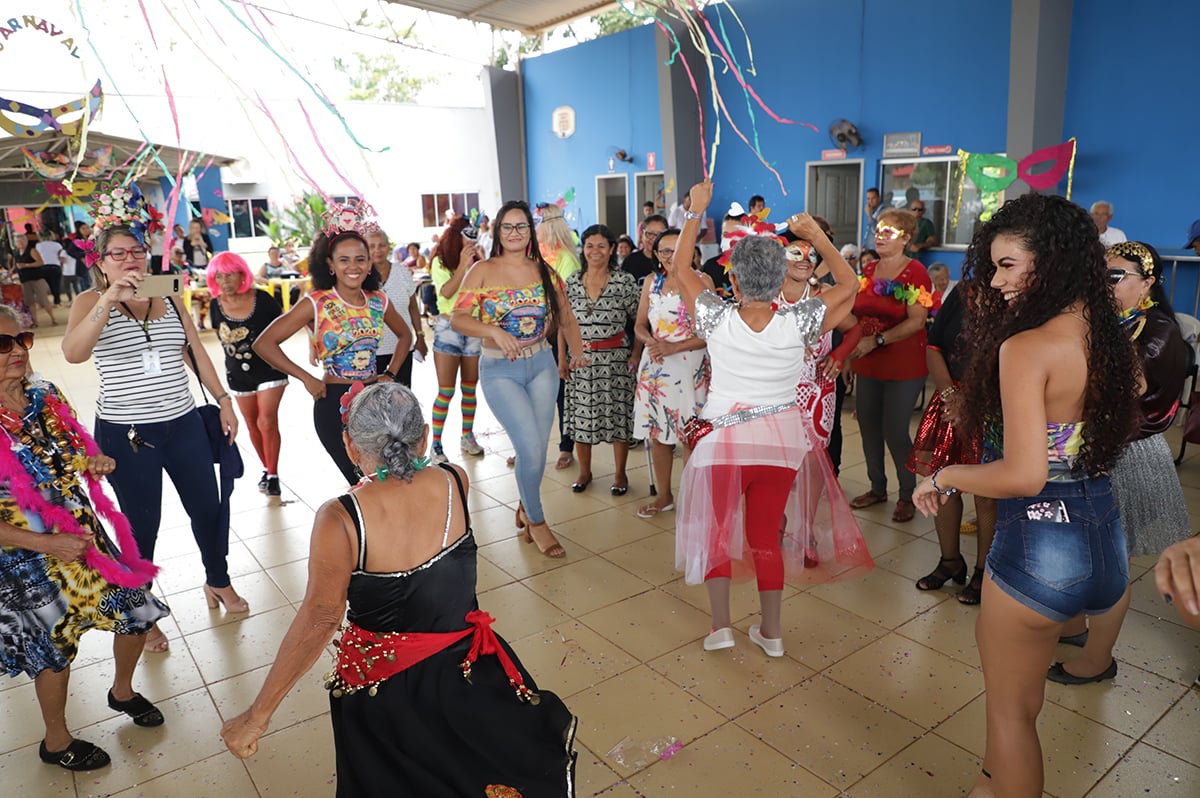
pixel 221 398
pixel 933 481
pixel 946 392
pixel 689 215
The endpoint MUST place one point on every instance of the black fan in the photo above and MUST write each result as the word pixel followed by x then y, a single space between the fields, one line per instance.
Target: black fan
pixel 844 134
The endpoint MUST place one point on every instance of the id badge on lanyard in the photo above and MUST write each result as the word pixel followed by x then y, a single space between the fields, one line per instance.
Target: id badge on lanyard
pixel 151 363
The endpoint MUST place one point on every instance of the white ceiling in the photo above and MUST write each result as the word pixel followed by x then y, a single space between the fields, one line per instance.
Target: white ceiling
pixel 524 15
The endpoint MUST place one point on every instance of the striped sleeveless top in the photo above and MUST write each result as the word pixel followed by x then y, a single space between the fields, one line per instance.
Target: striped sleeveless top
pixel 127 394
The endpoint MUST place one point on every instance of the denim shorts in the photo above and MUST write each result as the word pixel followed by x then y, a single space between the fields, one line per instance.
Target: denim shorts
pixel 449 341
pixel 1060 568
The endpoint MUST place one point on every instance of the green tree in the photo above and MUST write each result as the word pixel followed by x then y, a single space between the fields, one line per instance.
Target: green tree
pixel 300 223
pixel 380 78
pixel 618 19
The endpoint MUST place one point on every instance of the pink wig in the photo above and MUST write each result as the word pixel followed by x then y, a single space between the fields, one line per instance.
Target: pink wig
pixel 228 263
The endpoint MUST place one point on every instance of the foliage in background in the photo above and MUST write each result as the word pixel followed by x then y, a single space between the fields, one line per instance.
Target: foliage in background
pixel 617 19
pixel 300 223
pixel 379 77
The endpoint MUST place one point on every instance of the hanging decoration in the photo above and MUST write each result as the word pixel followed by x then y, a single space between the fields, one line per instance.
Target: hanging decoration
pixel 992 174
pixel 47 119
pixel 56 165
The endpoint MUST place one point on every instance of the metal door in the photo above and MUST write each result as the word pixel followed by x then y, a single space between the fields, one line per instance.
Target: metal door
pixel 835 191
pixel 612 202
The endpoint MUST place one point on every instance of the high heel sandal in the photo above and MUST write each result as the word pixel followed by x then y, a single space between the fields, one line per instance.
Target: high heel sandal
pixel 942 574
pixel 235 604
pixel 972 593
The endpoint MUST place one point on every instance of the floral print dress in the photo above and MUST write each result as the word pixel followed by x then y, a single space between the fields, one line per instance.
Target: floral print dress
pixel 670 392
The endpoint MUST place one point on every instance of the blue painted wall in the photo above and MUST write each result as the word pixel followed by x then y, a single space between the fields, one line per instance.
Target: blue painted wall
pixel 612 83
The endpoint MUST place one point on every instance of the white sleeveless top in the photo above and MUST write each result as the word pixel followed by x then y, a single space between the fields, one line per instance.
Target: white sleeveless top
pixel 127 394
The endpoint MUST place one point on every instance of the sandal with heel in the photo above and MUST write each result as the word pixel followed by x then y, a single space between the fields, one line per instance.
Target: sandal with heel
pixel 943 574
pixel 973 592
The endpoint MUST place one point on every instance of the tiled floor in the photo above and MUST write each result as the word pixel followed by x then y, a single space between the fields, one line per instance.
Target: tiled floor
pixel 880 693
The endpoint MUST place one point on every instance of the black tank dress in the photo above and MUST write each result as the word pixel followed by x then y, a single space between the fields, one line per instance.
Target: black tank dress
pixel 428 731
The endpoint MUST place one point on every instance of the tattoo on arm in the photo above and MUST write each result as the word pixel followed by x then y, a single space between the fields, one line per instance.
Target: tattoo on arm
pixel 98 313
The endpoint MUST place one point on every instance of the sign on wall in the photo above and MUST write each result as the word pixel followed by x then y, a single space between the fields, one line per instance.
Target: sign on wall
pixel 901 145
pixel 563 122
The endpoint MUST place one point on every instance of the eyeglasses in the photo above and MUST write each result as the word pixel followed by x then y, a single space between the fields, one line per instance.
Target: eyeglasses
pixel 886 232
pixel 521 228
pixel 918 210
pixel 1115 276
pixel 25 340
pixel 120 254
pixel 664 254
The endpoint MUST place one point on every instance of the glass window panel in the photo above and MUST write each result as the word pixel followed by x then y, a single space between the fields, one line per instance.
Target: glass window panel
pixel 429 214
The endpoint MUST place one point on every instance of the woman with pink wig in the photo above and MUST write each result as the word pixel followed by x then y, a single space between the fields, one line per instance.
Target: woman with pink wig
pixel 239 313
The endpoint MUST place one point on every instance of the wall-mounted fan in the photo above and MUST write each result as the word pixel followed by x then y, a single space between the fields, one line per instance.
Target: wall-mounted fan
pixel 844 134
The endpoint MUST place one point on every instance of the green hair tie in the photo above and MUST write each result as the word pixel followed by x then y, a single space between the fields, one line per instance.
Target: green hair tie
pixel 381 473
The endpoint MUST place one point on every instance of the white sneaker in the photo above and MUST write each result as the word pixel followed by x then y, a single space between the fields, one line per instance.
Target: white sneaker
pixel 438 457
pixel 470 445
pixel 773 647
pixel 719 639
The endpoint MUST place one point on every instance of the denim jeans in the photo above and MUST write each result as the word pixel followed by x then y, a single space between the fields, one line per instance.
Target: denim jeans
pixel 180 448
pixel 522 394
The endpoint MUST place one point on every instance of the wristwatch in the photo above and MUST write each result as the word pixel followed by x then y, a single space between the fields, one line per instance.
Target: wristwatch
pixel 879 340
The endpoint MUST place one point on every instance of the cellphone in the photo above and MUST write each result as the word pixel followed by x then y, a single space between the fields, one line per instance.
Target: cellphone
pixel 159 285
pixel 1054 511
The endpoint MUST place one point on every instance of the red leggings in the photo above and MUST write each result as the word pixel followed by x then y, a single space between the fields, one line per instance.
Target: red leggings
pixel 766 490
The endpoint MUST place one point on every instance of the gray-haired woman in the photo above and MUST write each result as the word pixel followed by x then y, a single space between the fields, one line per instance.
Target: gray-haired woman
pixel 758 434
pixel 414 631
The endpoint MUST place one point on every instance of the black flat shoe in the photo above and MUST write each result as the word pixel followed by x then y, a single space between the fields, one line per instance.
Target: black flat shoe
pixel 1059 674
pixel 581 486
pixel 1079 640
pixel 142 711
pixel 618 491
pixel 79 755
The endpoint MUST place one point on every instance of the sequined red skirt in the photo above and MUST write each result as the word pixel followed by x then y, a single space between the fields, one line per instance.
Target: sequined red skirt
pixel 937 444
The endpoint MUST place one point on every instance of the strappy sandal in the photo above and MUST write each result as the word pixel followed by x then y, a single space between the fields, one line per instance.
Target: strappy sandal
pixel 79 755
pixel 943 574
pixel 156 641
pixel 972 594
pixel 144 713
pixel 554 551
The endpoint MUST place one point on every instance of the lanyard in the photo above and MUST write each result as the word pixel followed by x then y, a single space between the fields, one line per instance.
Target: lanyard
pixel 145 320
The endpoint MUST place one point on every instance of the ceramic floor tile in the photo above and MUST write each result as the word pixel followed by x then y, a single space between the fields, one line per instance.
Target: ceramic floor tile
pixel 652 558
pixel 607 530
pixel 280 547
pixel 488 576
pixel 191 611
pixel 298 760
pixel 514 556
pixel 1148 771
pixel 818 634
pixel 501 488
pixel 589 584
pixel 1131 703
pixel 220 774
pixel 640 705
pixel 494 524
pixel 880 596
pixel 729 761
pixel 24 775
pixel 592 775
pixel 564 505
pixel 829 730
pixel 919 683
pixel 1077 752
pixel 744 605
pixel 308 699
pixel 519 611
pixel 230 649
pixel 920 557
pixel 881 538
pixel 570 657
pixel 1158 646
pixel 191 734
pixel 930 767
pixel 187 572
pixel 263 520
pixel 649 624
pixel 663 520
pixel 1146 599
pixel 949 628
pixel 291 579
pixel 732 680
pixel 1176 733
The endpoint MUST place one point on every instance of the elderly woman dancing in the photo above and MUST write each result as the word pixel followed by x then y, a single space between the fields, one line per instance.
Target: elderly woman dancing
pixel 426 699
pixel 60 573
pixel 759 436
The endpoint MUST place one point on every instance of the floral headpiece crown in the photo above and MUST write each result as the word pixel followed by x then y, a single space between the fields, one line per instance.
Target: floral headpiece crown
pixel 116 205
pixel 355 216
pixel 757 228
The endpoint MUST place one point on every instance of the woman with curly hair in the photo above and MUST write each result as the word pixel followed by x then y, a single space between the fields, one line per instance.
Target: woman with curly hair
pixel 1052 388
pixel 1154 513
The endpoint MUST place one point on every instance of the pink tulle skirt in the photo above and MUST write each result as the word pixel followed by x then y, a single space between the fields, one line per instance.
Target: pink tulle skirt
pixel 820 539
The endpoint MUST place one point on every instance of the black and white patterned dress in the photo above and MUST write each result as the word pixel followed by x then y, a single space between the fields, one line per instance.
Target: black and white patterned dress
pixel 599 406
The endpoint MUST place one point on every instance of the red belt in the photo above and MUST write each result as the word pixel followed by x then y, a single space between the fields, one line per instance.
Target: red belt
pixel 618 341
pixel 365 658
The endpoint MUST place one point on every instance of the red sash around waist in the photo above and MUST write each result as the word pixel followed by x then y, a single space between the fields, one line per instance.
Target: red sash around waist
pixel 365 658
pixel 617 341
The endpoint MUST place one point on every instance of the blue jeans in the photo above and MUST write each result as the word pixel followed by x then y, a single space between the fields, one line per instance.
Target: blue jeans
pixel 1062 568
pixel 522 394
pixel 181 449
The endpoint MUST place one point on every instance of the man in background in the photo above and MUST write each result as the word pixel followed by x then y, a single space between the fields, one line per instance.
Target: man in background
pixel 1102 213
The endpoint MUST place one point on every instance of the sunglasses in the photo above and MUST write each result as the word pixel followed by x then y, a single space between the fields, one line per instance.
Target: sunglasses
pixel 25 340
pixel 888 233
pixel 918 210
pixel 1115 276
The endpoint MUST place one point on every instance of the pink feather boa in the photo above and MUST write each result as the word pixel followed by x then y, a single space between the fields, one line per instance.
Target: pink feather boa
pixel 130 570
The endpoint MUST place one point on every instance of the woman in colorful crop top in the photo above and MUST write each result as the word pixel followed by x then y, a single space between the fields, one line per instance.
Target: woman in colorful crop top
pixel 1053 370
pixel 345 314
pixel 894 299
pixel 1154 513
pixel 513 301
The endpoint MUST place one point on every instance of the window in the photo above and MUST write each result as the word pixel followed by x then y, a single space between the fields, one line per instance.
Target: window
pixel 434 206
pixel 934 180
pixel 245 216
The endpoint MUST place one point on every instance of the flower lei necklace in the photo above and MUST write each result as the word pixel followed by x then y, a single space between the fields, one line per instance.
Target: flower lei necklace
pixel 28 466
pixel 902 292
